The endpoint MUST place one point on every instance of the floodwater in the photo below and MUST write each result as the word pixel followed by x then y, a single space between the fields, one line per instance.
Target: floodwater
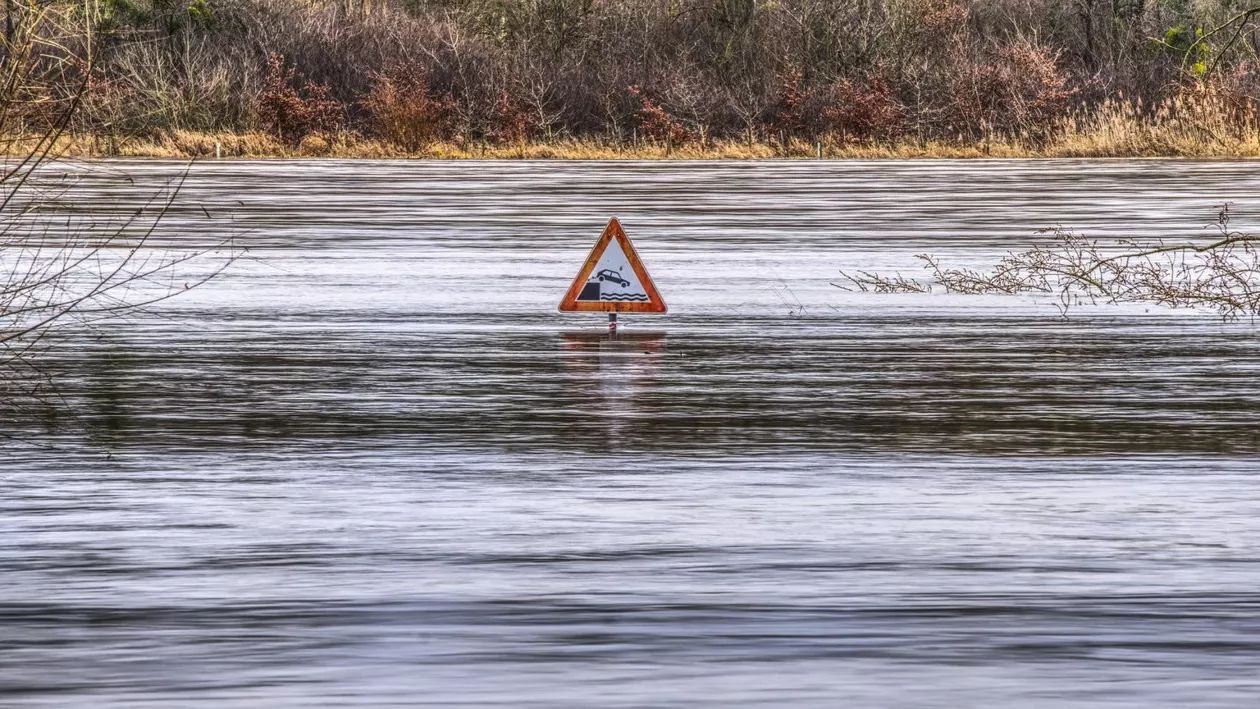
pixel 371 465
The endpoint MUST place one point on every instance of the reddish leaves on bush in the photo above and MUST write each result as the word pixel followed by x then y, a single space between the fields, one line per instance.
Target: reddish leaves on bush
pixel 291 114
pixel 943 16
pixel 511 119
pixel 790 109
pixel 656 123
pixel 865 112
pixel 1019 91
pixel 403 111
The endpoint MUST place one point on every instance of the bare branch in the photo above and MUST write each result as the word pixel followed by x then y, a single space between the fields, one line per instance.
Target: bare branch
pixel 1220 275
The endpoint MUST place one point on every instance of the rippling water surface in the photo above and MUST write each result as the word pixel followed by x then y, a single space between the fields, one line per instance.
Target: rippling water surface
pixel 371 465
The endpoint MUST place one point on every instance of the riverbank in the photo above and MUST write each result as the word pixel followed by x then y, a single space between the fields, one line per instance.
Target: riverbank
pixel 1115 141
pixel 636 80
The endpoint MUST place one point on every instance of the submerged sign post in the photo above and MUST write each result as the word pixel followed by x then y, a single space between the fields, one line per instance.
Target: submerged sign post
pixel 613 280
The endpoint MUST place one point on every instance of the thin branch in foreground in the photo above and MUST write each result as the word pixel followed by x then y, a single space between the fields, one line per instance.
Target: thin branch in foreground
pixel 867 282
pixel 73 259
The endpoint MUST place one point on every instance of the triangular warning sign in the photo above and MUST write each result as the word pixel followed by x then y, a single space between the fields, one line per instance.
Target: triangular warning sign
pixel 613 279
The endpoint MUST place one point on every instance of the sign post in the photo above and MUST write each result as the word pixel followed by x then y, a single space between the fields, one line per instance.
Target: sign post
pixel 613 280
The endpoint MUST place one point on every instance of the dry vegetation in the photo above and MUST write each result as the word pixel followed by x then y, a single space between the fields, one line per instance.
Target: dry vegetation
pixel 658 78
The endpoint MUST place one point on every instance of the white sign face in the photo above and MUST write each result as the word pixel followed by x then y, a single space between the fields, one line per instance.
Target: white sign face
pixel 613 280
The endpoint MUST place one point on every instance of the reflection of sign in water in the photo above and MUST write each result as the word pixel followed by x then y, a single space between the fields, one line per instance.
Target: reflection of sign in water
pixel 613 279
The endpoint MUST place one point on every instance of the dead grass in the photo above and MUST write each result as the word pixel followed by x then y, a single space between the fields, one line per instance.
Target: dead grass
pixel 1180 127
pixel 185 145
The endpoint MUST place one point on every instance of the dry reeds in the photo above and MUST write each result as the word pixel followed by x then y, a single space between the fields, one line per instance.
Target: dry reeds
pixel 1190 124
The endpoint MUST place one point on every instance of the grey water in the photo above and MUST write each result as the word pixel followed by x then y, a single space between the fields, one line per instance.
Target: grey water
pixel 370 464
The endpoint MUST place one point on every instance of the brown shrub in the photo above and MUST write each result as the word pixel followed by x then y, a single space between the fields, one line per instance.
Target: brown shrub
pixel 656 123
pixel 862 112
pixel 291 114
pixel 402 110
pixel 1020 92
pixel 511 120
pixel 943 16
pixel 790 109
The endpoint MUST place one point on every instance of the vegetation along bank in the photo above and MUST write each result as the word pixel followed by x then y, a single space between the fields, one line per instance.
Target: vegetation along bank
pixel 634 78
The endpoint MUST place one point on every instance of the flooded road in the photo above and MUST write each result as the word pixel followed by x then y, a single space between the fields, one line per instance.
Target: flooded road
pixel 371 465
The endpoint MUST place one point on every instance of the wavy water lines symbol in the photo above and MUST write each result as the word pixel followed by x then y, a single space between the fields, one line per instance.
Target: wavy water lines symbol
pixel 642 297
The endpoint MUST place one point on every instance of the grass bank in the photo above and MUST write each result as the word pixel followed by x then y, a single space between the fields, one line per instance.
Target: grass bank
pixel 1117 130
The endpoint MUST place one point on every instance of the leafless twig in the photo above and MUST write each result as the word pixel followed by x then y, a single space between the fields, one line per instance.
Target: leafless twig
pixel 1220 273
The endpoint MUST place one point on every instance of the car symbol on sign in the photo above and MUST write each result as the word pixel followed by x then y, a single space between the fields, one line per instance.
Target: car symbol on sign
pixel 610 275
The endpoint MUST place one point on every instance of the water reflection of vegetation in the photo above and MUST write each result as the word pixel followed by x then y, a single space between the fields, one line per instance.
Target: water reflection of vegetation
pixel 961 386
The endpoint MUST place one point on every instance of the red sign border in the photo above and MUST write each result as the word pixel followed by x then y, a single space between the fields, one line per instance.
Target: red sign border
pixel 655 303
